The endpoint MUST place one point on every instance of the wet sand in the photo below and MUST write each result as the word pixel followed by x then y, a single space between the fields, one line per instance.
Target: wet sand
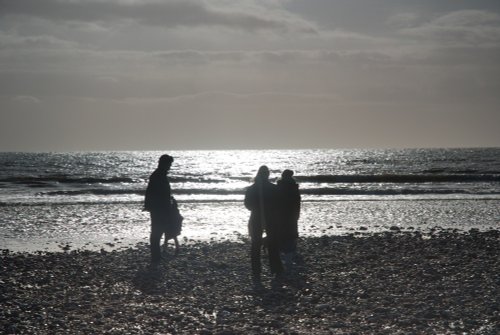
pixel 388 283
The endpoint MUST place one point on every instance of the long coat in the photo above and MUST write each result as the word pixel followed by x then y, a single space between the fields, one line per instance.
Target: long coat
pixel 289 208
pixel 158 193
pixel 262 200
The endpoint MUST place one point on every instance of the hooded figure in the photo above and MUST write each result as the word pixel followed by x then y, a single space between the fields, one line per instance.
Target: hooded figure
pixel 289 212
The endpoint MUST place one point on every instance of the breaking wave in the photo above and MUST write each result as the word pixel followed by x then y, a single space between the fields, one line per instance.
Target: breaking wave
pixel 398 178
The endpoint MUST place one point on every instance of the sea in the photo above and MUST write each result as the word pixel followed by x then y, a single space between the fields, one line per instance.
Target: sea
pixel 94 200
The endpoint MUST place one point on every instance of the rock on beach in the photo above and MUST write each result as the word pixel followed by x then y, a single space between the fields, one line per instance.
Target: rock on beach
pixel 388 283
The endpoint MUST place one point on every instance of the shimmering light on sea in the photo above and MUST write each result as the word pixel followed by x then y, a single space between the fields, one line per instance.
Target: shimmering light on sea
pixel 94 199
pixel 121 224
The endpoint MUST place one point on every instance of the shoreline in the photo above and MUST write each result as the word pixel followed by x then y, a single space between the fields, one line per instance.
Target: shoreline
pixel 119 226
pixel 41 246
pixel 386 283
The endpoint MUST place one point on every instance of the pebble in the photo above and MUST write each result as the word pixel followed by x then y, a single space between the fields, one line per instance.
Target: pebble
pixel 446 282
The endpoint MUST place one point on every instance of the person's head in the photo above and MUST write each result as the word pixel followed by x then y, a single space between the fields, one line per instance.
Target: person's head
pixel 262 174
pixel 287 174
pixel 165 162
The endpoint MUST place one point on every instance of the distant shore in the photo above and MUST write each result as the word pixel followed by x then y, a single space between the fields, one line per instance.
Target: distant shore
pixel 387 283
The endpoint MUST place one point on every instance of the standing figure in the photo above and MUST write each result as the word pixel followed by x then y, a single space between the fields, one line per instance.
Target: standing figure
pixel 158 203
pixel 289 215
pixel 261 198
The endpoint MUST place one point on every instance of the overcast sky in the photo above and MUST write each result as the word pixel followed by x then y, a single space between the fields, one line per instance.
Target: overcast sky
pixel 224 74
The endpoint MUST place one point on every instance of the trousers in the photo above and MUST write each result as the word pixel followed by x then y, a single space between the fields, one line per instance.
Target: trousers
pixel 273 248
pixel 158 225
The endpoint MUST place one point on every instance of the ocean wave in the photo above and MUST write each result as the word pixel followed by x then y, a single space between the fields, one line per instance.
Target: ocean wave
pixel 308 191
pixel 431 177
pixel 381 192
pixel 40 181
pixel 138 203
pixel 68 203
pixel 95 191
pixel 101 191
pixel 399 178
pixel 62 179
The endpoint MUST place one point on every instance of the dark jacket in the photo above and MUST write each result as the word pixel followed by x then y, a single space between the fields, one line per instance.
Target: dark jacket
pixel 157 193
pixel 289 208
pixel 270 203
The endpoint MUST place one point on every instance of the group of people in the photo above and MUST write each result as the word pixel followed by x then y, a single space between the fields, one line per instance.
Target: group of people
pixel 275 210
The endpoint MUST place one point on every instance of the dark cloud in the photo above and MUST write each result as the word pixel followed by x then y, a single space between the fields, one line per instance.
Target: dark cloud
pixel 86 69
pixel 167 14
pixel 465 27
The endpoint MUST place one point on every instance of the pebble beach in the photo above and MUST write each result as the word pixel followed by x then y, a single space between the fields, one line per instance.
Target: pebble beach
pixel 444 282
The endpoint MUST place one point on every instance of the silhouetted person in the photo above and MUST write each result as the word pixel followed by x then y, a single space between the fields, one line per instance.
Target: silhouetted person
pixel 289 214
pixel 261 199
pixel 158 203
